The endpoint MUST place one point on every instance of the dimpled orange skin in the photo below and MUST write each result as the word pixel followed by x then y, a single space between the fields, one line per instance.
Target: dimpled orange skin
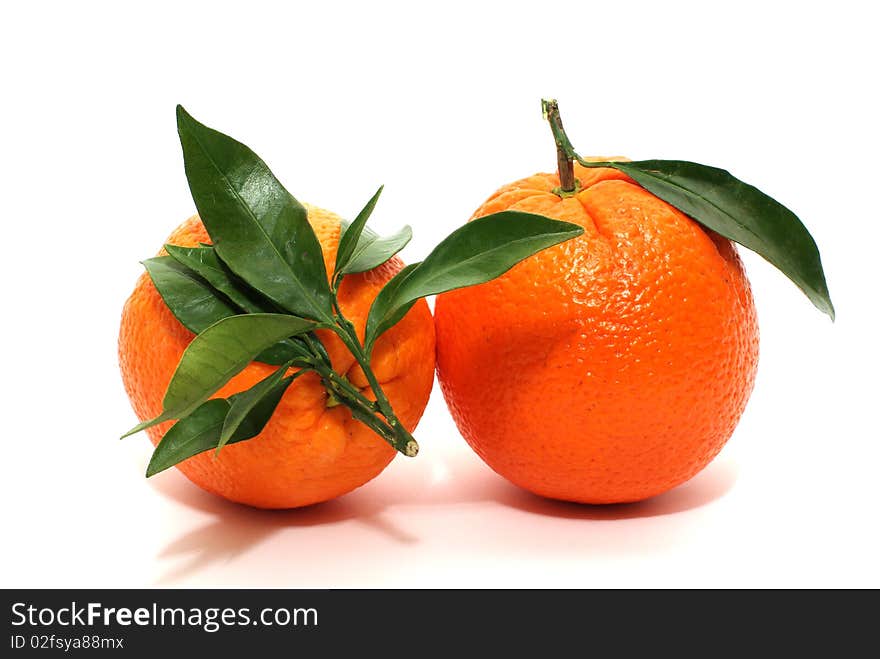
pixel 307 453
pixel 612 367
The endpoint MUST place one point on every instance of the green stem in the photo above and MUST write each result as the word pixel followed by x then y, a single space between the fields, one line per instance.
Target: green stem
pixel 380 428
pixel 351 341
pixel 565 152
pixel 317 348
pixel 361 408
pixel 342 390
pixel 324 368
pixel 344 384
pixel 403 438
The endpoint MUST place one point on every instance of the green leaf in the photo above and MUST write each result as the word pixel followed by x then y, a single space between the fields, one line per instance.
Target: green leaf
pixel 740 212
pixel 373 250
pixel 258 229
pixel 258 416
pixel 200 431
pixel 204 262
pixel 216 355
pixel 473 254
pixel 189 297
pixel 246 401
pixel 389 307
pixel 288 350
pixel 198 305
pixel 351 234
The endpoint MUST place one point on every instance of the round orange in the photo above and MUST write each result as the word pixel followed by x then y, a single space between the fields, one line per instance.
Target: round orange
pixel 308 452
pixel 609 368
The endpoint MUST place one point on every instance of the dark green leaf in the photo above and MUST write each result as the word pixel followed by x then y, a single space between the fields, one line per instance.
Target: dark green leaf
pixel 189 297
pixel 197 305
pixel 292 349
pixel 258 229
pixel 389 307
pixel 200 431
pixel 204 262
pixel 475 253
pixel 216 355
pixel 191 435
pixel 258 416
pixel 373 250
pixel 351 234
pixel 740 212
pixel 246 401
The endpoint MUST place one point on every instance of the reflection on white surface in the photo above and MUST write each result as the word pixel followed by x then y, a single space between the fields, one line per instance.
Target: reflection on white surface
pixel 418 511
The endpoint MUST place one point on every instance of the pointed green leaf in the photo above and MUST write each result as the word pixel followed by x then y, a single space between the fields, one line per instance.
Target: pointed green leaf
pixel 258 229
pixel 351 234
pixel 200 431
pixel 389 307
pixel 739 212
pixel 473 254
pixel 197 305
pixel 373 250
pixel 189 297
pixel 204 262
pixel 246 401
pixel 256 419
pixel 216 355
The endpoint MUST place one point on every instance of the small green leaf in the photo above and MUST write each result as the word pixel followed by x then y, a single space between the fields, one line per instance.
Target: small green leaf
pixel 189 297
pixel 246 401
pixel 216 355
pixel 473 254
pixel 200 431
pixel 197 305
pixel 373 250
pixel 739 212
pixel 204 262
pixel 258 229
pixel 351 234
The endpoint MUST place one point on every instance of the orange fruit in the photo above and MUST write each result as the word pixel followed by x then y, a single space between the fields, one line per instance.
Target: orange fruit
pixel 308 452
pixel 609 368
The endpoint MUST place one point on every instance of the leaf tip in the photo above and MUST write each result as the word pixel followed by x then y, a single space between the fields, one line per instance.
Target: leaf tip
pixel 134 431
pixel 828 308
pixel 157 465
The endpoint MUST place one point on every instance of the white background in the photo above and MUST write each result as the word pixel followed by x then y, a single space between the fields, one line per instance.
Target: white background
pixel 441 104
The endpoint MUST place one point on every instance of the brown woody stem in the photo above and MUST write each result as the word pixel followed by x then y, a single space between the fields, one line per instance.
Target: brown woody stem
pixel 564 150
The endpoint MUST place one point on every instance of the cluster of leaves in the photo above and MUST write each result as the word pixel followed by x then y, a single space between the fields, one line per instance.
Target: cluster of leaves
pixel 260 290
